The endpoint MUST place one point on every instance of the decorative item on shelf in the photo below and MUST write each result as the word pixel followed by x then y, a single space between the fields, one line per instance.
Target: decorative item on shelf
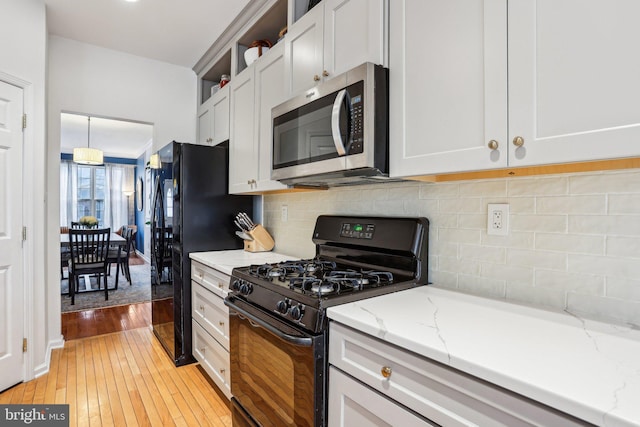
pixel 256 49
pixel 224 79
pixel 88 155
pixel 282 33
pixel 88 221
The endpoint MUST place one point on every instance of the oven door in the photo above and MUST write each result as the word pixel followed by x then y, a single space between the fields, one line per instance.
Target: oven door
pixel 277 371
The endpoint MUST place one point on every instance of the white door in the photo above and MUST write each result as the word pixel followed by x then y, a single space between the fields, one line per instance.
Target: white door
pixel 303 54
pixel 11 280
pixel 574 86
pixel 447 86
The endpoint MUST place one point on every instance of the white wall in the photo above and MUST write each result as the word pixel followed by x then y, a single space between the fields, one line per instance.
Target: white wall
pixel 89 79
pixel 574 242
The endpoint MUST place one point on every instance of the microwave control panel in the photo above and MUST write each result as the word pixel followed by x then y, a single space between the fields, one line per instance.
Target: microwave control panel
pixel 356 106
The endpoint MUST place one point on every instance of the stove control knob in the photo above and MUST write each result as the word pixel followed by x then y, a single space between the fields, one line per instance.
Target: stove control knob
pixel 235 285
pixel 246 288
pixel 297 312
pixel 282 306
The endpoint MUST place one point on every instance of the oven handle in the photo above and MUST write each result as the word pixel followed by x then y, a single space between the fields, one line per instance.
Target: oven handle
pixel 335 122
pixel 256 322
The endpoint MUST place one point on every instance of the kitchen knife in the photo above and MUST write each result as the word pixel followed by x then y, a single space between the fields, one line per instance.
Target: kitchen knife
pixel 235 221
pixel 248 220
pixel 245 225
pixel 244 235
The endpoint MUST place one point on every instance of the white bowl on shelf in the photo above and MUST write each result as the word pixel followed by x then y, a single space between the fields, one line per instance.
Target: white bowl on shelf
pixel 251 54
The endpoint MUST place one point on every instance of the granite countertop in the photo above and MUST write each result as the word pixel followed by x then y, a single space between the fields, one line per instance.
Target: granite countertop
pixel 225 261
pixel 585 368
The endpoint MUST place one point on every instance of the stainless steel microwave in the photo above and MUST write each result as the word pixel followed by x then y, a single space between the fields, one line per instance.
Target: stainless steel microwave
pixel 336 133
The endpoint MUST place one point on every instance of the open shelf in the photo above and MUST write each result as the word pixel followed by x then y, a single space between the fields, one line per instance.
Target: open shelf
pixel 212 77
pixel 266 28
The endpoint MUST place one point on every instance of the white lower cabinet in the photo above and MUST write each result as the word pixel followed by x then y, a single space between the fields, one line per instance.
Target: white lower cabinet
pixel 368 376
pixel 210 319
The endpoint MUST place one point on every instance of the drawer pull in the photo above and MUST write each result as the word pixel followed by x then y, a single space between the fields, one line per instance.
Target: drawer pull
pixel 222 370
pixel 221 323
pixel 203 349
pixel 202 308
pixel 386 372
pixel 220 285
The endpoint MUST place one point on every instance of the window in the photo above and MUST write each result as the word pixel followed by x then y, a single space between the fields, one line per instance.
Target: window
pixel 91 191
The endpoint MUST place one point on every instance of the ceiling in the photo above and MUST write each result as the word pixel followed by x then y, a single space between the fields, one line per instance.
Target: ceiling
pixel 116 138
pixel 174 31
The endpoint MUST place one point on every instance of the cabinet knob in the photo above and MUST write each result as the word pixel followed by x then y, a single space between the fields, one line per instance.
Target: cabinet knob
pixel 493 144
pixel 221 323
pixel 386 371
pixel 325 73
pixel 209 139
pixel 222 370
pixel 220 285
pixel 202 308
pixel 316 78
pixel 518 141
pixel 203 349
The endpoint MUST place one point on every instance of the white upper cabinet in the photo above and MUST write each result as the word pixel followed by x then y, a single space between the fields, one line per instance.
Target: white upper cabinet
pixel 574 80
pixel 571 93
pixel 213 119
pixel 447 85
pixel 253 93
pixel 333 37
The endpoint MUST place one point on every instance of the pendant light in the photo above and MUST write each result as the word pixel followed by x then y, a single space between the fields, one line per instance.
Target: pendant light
pixel 88 155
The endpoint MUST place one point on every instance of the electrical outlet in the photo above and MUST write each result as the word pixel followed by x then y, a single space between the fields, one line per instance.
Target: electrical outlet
pixel 498 219
pixel 284 213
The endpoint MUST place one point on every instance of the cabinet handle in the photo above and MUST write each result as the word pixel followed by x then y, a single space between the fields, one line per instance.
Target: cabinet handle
pixel 222 370
pixel 209 139
pixel 221 323
pixel 325 73
pixel 386 371
pixel 202 308
pixel 316 78
pixel 518 141
pixel 220 285
pixel 203 349
pixel 493 144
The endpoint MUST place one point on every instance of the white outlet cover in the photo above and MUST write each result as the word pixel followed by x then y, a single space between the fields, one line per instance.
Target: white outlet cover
pixel 498 219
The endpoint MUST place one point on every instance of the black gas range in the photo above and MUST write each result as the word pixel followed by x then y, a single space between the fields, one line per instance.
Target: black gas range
pixel 282 307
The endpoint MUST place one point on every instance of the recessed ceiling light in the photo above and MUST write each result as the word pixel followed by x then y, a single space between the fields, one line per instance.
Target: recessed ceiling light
pixel 131 1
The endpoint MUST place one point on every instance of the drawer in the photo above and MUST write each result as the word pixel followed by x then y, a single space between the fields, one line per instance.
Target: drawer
pixel 210 312
pixel 210 278
pixel 444 395
pixel 213 358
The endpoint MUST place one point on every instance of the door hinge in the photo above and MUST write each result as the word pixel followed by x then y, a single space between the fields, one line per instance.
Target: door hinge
pixel 24 345
pixel 24 121
pixel 24 234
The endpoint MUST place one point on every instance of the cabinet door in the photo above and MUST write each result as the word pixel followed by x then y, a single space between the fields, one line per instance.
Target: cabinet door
pixel 354 32
pixel 270 91
pixel 220 121
pixel 448 85
pixel 303 51
pixel 353 404
pixel 242 150
pixel 204 123
pixel 574 91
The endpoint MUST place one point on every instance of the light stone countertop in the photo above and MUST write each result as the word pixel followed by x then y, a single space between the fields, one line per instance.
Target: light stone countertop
pixel 225 261
pixel 585 368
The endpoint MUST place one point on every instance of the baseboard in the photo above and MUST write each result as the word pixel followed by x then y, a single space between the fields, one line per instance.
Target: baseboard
pixel 44 368
pixel 141 255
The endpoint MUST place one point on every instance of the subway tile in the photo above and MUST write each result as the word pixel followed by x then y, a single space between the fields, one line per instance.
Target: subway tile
pixel 625 247
pixel 519 205
pixel 605 266
pixel 476 221
pixel 624 204
pixel 497 188
pixel 603 308
pixel 545 297
pixel 455 265
pixel 627 225
pixel 537 259
pixel 443 279
pixel 446 249
pixel 515 239
pixel 456 235
pixel 439 190
pixel 571 205
pixel 570 281
pixel 626 289
pixel 482 253
pixel 571 243
pixel 420 207
pixel 481 285
pixel 510 273
pixel 556 185
pixel 539 223
pixel 608 182
pixel 462 205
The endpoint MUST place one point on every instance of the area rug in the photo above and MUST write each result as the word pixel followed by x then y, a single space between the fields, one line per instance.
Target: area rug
pixel 138 291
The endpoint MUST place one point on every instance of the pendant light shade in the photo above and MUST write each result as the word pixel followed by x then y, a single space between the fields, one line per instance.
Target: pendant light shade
pixel 88 155
pixel 154 161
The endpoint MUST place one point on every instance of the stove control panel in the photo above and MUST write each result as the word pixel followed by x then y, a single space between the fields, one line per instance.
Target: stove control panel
pixel 356 230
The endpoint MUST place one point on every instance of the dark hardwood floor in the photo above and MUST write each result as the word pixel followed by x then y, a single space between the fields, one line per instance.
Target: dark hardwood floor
pixel 99 321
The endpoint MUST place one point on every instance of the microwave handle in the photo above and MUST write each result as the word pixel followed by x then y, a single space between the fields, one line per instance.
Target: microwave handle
pixel 335 122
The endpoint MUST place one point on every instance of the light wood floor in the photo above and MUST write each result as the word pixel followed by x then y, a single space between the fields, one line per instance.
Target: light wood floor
pixel 124 378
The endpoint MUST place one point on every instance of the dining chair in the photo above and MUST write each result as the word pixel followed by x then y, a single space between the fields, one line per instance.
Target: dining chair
pixel 89 250
pixel 65 254
pixel 120 255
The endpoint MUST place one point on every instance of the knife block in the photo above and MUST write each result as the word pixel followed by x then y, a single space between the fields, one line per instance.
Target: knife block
pixel 262 240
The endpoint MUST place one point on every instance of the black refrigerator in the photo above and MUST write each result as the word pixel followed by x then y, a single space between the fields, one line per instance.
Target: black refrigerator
pixel 191 211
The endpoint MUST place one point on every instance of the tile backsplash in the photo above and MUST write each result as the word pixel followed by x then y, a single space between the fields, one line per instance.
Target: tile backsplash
pixel 573 242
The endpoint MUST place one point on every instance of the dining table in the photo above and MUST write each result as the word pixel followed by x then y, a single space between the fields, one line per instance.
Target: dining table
pixel 114 240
